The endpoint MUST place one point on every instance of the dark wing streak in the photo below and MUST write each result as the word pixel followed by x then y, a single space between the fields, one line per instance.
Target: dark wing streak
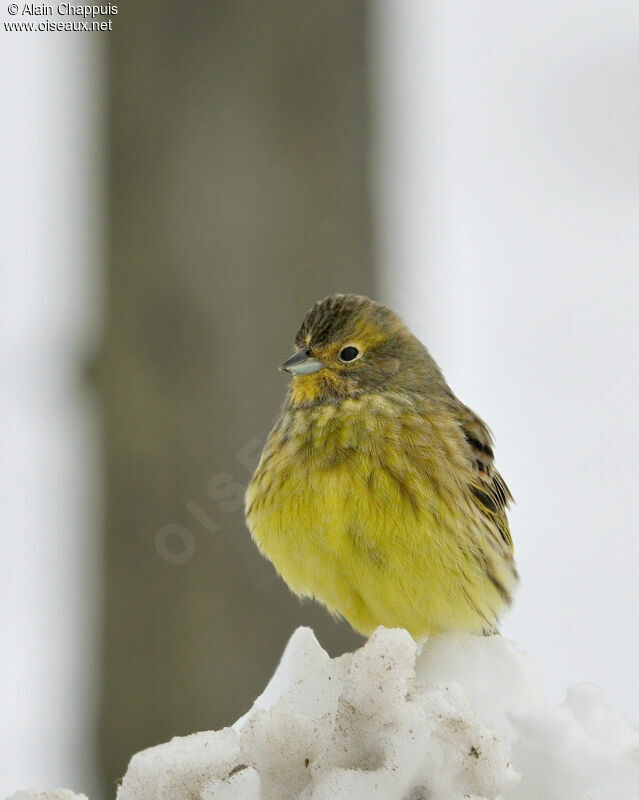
pixel 488 490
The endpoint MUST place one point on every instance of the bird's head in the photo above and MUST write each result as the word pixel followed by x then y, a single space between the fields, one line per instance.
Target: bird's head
pixel 348 345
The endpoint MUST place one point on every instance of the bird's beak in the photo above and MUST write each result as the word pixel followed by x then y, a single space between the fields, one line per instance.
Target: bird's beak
pixel 302 363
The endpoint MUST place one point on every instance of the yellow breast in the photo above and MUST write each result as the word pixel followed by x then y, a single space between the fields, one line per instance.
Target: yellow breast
pixel 361 505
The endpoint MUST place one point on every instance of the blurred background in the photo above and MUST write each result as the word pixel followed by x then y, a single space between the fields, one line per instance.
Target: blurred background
pixel 176 193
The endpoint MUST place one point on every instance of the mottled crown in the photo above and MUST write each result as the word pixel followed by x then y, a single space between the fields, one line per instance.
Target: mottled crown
pixel 338 315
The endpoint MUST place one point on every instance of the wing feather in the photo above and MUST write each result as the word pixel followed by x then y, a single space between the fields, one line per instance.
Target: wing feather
pixel 487 488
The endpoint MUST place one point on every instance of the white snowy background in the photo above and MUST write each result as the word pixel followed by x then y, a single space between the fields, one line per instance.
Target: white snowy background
pixel 507 191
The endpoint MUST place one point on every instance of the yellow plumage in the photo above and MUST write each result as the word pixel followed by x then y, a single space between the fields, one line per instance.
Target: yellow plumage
pixel 376 492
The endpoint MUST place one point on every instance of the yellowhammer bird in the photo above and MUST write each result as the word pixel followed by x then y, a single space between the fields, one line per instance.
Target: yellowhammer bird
pixel 376 492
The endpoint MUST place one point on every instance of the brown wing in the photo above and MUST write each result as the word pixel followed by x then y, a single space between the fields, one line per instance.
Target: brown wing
pixel 488 489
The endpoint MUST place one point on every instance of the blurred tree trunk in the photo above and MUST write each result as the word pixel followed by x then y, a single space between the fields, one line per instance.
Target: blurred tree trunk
pixel 238 195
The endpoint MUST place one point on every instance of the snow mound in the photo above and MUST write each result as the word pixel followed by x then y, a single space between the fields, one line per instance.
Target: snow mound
pixel 462 717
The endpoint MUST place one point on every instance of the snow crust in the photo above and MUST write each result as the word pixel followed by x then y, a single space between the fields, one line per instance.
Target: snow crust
pixel 463 718
pixel 460 717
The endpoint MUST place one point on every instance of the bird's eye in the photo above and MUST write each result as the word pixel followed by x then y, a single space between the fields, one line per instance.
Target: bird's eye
pixel 349 353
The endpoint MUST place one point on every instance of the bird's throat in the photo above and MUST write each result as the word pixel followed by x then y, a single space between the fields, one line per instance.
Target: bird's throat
pixel 315 389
